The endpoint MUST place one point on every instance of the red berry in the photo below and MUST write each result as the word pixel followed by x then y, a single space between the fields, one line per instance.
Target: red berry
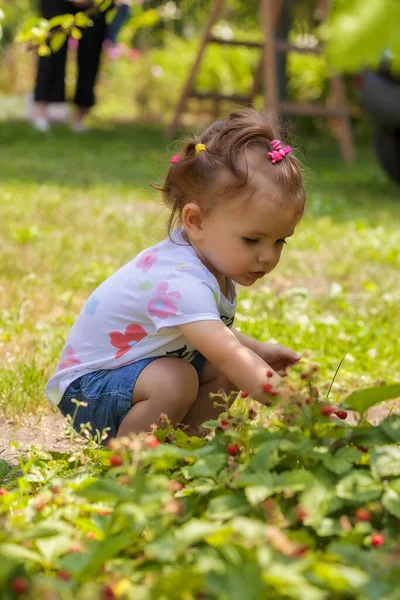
pixel 175 486
pixel 233 449
pixel 300 551
pixel 245 394
pixel 342 414
pixel 268 389
pixel 362 448
pixel 107 592
pixel 115 460
pixel 151 441
pixel 377 539
pixel 19 585
pixel 326 410
pixel 269 373
pixel 64 575
pixel 302 514
pixel 224 422
pixel 3 492
pixel 362 514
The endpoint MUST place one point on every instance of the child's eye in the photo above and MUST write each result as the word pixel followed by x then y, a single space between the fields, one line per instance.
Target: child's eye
pixel 250 240
pixel 281 242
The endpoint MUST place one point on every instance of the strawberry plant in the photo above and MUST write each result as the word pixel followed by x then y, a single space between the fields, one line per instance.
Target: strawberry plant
pixel 293 503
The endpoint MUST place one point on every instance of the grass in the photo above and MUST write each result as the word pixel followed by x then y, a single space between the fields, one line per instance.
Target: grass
pixel 75 208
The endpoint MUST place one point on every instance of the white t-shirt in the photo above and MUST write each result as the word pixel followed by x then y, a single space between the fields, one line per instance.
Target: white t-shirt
pixel 134 313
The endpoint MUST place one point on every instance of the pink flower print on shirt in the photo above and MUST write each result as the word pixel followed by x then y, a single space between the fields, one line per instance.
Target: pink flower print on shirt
pixel 125 341
pixel 161 304
pixel 147 260
pixel 68 358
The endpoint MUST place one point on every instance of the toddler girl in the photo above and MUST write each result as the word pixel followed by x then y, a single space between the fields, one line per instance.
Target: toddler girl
pixel 157 336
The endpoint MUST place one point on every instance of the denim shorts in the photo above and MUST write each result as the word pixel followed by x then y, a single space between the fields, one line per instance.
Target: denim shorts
pixel 108 395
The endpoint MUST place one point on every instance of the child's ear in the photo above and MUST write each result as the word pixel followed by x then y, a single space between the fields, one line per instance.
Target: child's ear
pixel 192 220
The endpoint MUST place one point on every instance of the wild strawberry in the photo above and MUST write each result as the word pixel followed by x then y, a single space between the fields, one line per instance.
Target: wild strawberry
pixel 55 489
pixel 151 441
pixel 244 394
pixel 3 491
pixel 362 514
pixel 342 414
pixel 304 376
pixel 224 422
pixel 107 593
pixel 377 539
pixel 91 535
pixel 40 503
pixel 269 504
pixel 233 449
pixel 269 373
pixel 268 389
pixel 19 586
pixel 300 551
pixel 175 486
pixel 251 414
pixel 302 513
pixel 115 460
pixel 362 448
pixel 326 410
pixel 64 575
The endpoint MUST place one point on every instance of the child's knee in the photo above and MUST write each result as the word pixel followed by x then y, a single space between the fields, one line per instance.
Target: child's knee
pixel 173 379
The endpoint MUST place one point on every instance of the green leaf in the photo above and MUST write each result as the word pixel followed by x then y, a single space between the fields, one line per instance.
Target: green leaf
pixel 238 583
pixel 88 565
pixel 110 16
pixel 358 488
pixel 361 400
pixel 227 506
pixel 342 461
pixel 385 461
pixel 4 468
pixel 19 553
pixel 391 426
pixel 57 41
pixel 106 489
pixel 205 467
pixel 391 501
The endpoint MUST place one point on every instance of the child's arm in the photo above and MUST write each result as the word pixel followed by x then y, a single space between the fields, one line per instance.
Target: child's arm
pixel 243 367
pixel 277 356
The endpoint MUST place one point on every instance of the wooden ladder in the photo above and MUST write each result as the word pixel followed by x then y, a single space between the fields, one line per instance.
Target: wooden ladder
pixel 266 75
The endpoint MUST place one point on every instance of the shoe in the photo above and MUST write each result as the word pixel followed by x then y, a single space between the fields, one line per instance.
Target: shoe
pixel 78 127
pixel 40 124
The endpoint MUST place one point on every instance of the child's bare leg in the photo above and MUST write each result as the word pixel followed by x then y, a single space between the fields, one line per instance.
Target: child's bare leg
pixel 166 385
pixel 202 409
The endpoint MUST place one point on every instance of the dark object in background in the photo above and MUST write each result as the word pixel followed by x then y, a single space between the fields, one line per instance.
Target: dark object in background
pixel 380 97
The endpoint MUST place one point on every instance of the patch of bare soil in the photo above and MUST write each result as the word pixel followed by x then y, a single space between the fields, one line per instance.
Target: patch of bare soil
pixel 45 431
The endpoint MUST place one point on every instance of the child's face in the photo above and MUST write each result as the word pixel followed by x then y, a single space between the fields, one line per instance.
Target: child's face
pixel 243 239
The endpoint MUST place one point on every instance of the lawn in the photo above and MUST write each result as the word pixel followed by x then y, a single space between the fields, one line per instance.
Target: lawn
pixel 288 503
pixel 75 208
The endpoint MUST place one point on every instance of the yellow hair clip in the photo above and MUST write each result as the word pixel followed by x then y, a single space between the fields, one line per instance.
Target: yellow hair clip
pixel 199 148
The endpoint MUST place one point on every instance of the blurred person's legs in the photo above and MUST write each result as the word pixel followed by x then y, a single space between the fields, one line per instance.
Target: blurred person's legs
pixel 50 76
pixel 89 54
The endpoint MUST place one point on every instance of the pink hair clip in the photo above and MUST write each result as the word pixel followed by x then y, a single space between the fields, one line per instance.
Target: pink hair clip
pixel 278 152
pixel 175 159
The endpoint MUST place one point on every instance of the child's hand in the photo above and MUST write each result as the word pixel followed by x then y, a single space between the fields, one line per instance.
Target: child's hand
pixel 277 356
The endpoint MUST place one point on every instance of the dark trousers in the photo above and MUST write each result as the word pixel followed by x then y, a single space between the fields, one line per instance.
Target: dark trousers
pixel 50 78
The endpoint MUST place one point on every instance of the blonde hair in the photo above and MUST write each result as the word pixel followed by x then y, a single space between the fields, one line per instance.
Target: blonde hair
pixel 195 175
